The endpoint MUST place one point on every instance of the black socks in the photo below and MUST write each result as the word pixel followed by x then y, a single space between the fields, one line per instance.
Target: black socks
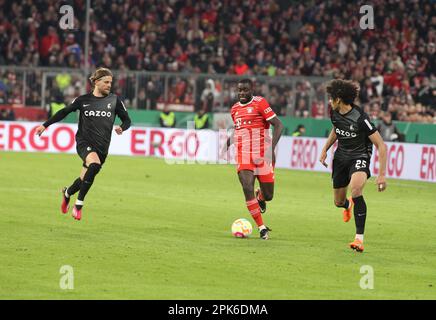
pixel 345 205
pixel 88 179
pixel 74 187
pixel 359 214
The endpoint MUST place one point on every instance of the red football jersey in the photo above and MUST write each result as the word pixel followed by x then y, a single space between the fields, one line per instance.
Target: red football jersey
pixel 252 126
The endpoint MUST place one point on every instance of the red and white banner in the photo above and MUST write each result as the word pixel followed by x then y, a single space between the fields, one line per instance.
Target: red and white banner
pixel 404 160
pixel 172 144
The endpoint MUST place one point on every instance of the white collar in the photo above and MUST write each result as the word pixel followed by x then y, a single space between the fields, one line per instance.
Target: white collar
pixel 245 104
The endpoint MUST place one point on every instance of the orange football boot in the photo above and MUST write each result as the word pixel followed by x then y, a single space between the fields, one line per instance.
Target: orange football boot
pixel 346 214
pixel 357 245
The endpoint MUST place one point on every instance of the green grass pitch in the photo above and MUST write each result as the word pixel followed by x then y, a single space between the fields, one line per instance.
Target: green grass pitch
pixel 156 231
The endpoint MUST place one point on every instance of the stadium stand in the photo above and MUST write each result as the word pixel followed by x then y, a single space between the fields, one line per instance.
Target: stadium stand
pixel 394 63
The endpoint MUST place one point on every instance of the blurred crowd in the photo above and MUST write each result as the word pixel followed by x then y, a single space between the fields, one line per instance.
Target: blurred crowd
pixel 394 63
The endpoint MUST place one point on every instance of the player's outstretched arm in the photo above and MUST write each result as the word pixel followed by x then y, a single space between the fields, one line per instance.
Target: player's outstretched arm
pixel 377 140
pixel 58 116
pixel 330 141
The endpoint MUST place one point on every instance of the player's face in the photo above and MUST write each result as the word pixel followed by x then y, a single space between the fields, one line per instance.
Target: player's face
pixel 245 92
pixel 104 85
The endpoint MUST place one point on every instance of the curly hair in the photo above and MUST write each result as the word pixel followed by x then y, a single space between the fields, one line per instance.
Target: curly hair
pixel 346 90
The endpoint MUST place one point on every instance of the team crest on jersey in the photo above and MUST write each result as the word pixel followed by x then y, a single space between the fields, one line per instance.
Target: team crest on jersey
pixel 108 105
pixel 249 110
pixel 351 128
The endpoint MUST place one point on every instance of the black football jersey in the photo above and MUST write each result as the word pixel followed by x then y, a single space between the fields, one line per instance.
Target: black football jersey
pixel 96 119
pixel 352 130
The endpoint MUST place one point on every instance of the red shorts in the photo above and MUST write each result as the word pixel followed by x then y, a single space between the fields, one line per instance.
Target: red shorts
pixel 263 170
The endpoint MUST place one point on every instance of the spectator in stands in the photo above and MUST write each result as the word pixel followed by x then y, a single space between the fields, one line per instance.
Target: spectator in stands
pixel 33 98
pixel 375 111
pixel 152 95
pixel 302 93
pixel 368 91
pixel 208 96
pixel 16 97
pixel 141 100
pixel 178 91
pixel 4 39
pixel 302 110
pixel 7 114
pixel 274 99
pixel 240 67
pixel 3 97
pixel 50 45
pixel 318 109
pixel 432 100
pixel 71 50
pixel 282 38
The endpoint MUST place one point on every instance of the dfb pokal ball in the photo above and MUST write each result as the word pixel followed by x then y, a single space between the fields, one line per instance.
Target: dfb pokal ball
pixel 241 228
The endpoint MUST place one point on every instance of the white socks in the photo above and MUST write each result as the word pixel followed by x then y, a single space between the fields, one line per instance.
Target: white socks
pixel 359 237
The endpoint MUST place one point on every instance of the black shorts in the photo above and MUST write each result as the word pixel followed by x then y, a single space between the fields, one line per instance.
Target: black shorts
pixel 343 170
pixel 84 148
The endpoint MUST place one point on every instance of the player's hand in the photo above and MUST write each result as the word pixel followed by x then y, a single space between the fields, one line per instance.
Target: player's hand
pixel 118 130
pixel 381 183
pixel 322 158
pixel 40 130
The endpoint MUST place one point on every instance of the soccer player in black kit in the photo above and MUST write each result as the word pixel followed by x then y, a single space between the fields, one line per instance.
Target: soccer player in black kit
pixel 97 116
pixel 356 135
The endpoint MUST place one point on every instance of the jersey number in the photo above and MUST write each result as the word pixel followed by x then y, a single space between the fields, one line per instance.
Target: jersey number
pixel 360 164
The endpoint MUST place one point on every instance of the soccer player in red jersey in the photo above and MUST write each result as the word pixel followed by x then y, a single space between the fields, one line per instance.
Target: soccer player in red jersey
pixel 255 155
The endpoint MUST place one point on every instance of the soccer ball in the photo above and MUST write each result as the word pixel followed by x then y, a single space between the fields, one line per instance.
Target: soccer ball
pixel 241 228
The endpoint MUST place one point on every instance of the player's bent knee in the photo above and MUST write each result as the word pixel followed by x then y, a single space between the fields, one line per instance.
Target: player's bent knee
pixel 91 161
pixel 95 166
pixel 93 170
pixel 248 188
pixel 268 197
pixel 339 203
pixel 356 192
pixel 92 157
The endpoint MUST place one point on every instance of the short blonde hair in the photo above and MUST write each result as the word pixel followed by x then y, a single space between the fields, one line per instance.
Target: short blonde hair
pixel 100 73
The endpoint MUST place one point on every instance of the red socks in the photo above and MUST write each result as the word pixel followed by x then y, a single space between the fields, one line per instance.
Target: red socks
pixel 254 209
